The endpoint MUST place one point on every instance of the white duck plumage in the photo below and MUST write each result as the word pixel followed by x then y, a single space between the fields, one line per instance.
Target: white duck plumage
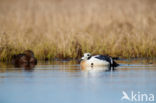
pixel 97 60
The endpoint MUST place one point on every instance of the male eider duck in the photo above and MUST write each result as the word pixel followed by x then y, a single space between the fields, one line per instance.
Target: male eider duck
pixel 97 60
pixel 26 57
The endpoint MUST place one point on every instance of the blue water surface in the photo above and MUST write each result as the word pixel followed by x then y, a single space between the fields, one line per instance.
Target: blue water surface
pixel 50 83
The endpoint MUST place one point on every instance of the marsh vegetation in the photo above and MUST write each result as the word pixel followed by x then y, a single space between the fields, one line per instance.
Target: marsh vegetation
pixel 68 28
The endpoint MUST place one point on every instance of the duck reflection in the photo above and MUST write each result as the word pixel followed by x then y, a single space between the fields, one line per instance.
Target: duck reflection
pixel 97 71
pixel 26 66
pixel 98 68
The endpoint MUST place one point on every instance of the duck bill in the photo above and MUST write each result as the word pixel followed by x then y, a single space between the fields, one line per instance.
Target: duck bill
pixel 79 60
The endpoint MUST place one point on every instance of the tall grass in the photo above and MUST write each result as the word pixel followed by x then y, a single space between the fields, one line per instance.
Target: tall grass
pixel 68 28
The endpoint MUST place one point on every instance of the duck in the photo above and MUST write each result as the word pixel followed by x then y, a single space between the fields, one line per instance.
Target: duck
pixel 27 57
pixel 97 60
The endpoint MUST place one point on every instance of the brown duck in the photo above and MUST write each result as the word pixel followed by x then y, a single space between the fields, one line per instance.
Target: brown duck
pixel 27 57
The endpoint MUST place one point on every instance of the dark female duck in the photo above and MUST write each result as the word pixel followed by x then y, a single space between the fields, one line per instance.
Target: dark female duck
pixel 27 57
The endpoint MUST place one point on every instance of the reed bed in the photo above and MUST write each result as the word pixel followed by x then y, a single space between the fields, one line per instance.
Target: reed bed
pixel 68 28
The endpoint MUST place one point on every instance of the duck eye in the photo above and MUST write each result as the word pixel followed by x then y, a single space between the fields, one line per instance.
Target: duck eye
pixel 88 55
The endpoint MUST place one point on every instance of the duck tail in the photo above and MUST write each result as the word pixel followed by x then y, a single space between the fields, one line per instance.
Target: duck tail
pixel 115 64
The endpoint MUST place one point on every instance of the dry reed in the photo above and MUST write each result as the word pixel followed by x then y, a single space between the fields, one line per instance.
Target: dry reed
pixel 68 28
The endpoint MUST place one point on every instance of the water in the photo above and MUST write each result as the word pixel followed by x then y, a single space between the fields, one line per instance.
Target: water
pixel 65 82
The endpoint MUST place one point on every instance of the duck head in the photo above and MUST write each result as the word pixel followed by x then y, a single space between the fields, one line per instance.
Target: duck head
pixel 28 53
pixel 86 56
